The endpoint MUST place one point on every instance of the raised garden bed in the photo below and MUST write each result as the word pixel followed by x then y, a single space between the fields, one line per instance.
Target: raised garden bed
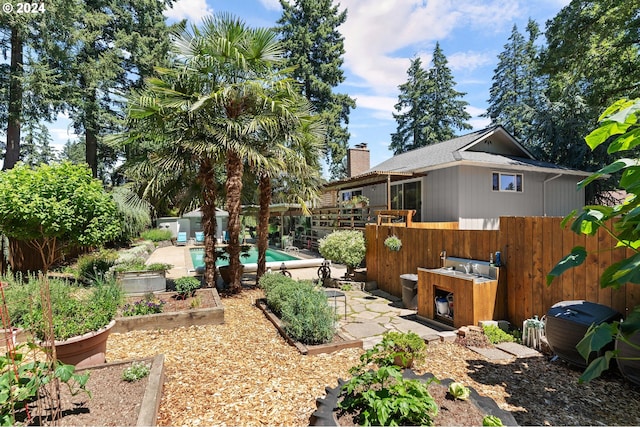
pixel 114 401
pixel 176 312
pixel 339 342
pixel 450 412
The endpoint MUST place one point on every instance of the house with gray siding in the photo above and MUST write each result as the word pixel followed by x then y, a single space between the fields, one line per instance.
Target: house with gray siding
pixel 472 179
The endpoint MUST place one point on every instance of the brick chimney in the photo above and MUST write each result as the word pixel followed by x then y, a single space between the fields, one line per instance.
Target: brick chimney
pixel 358 159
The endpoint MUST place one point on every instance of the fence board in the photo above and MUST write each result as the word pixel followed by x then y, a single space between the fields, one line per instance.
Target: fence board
pixel 530 246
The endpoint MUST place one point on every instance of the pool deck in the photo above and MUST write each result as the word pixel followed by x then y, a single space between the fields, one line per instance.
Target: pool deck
pixel 369 314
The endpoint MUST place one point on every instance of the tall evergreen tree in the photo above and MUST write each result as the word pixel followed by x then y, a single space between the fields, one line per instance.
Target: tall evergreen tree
pixel 36 144
pixel 113 46
pixel 592 58
pixel 30 85
pixel 313 44
pixel 516 85
pixel 445 108
pixel 412 110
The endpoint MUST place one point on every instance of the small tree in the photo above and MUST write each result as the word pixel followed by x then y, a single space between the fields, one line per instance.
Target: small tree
pixel 344 247
pixel 619 127
pixel 55 206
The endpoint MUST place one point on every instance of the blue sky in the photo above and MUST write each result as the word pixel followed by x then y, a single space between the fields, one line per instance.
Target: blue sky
pixel 381 37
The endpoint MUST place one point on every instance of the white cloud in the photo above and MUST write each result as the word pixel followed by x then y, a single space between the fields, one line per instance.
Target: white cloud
pixel 469 61
pixel 271 4
pixel 193 10
pixel 475 111
pixel 380 36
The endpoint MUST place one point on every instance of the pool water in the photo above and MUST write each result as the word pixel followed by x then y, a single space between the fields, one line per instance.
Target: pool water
pixel 197 257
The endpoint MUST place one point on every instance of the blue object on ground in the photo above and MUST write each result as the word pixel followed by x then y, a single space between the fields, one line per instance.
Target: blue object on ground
pixel 200 237
pixel 182 238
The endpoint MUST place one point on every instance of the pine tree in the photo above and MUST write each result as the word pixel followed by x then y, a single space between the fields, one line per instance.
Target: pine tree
pixel 412 107
pixel 313 44
pixel 113 46
pixel 445 108
pixel 516 89
pixel 36 145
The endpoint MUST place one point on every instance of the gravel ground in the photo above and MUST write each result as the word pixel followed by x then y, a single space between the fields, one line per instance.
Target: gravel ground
pixel 244 373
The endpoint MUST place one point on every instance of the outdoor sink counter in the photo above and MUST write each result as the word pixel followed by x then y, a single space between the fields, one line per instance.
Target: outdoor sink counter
pixel 473 295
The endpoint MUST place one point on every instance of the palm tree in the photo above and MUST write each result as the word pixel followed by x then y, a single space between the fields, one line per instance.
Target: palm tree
pixel 293 150
pixel 212 103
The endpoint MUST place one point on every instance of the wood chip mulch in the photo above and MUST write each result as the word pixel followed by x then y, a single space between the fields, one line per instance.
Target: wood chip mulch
pixel 244 373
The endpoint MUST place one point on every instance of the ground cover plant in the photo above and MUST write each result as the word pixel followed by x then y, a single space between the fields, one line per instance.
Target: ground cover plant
pixel 150 304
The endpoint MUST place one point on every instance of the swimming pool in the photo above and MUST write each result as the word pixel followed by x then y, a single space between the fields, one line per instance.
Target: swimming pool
pixel 197 257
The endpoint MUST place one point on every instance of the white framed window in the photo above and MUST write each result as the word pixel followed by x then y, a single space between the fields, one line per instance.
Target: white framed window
pixel 508 182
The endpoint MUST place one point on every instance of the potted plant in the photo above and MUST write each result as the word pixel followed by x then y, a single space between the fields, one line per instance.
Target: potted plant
pixel 80 319
pixel 344 247
pixel 136 277
pixel 393 243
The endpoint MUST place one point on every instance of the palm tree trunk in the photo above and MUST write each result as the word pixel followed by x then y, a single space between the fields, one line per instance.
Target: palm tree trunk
pixel 263 224
pixel 206 177
pixel 235 170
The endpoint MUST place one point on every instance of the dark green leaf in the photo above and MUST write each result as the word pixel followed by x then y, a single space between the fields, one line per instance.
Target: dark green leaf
pixel 597 367
pixel 575 258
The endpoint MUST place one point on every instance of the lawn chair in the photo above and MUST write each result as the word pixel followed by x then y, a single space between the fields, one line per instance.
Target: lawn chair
pixel 199 237
pixel 182 238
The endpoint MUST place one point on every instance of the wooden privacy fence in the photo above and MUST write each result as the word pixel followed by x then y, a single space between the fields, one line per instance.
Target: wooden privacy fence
pixel 530 246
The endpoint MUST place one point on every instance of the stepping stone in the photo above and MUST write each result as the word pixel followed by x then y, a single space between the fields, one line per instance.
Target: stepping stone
pixel 518 350
pixel 492 353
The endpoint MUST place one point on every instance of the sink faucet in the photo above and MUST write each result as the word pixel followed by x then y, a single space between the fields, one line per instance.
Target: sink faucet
pixel 475 268
pixel 466 267
pixel 443 258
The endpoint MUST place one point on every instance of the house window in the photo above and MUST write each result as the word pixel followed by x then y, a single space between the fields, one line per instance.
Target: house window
pixel 349 194
pixel 407 196
pixel 507 182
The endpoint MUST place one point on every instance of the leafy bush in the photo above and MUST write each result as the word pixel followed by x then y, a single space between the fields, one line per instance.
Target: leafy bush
pixel 344 247
pixel 150 304
pixel 396 348
pixel 497 335
pixel 56 206
pixel 96 264
pixel 186 286
pixel 156 234
pixel 305 311
pixel 136 372
pixel 383 397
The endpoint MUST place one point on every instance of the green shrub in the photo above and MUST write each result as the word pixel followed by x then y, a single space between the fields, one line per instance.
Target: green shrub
pixel 497 335
pixel 156 234
pixel 383 397
pixel 96 264
pixel 307 316
pixel 305 311
pixel 344 247
pixel 136 371
pixel 279 292
pixel 395 347
pixel 186 286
